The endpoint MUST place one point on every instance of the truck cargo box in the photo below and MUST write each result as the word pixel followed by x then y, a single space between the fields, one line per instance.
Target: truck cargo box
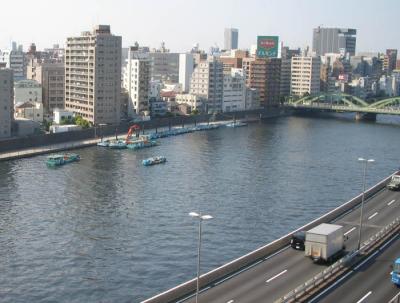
pixel 324 242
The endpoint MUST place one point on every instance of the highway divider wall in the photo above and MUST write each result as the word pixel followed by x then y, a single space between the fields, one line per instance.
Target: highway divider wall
pixel 230 268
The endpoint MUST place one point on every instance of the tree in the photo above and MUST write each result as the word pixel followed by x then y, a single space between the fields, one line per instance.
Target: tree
pixel 194 112
pixel 82 122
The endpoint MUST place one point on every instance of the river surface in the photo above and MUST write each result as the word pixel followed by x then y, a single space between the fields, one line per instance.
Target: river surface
pixel 108 229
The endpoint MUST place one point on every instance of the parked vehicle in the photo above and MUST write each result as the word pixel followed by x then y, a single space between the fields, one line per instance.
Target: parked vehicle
pixel 394 183
pixel 298 240
pixel 325 242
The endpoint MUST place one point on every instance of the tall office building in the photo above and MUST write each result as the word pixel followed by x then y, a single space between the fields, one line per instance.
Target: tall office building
pixel 265 76
pixel 234 94
pixel 231 38
pixel 15 60
pixel 93 75
pixel 389 62
pixel 286 69
pixel 136 81
pixel 50 73
pixel 6 102
pixel 334 40
pixel 305 75
pixel 186 66
pixel 164 65
pixel 208 82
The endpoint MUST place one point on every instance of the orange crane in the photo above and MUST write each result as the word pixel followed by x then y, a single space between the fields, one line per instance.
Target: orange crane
pixel 134 129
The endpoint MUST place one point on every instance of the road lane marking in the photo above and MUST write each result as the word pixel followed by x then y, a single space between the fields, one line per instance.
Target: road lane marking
pixel 370 217
pixel 391 202
pixel 363 298
pixel 230 301
pixel 276 276
pixel 398 294
pixel 346 233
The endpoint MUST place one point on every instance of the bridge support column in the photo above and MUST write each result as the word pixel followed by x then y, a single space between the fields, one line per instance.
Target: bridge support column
pixel 365 117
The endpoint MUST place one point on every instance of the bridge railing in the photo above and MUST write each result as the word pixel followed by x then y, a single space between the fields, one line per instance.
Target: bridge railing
pixel 238 264
pixel 321 277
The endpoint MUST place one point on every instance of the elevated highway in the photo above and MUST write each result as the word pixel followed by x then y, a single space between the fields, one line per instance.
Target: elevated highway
pixel 281 270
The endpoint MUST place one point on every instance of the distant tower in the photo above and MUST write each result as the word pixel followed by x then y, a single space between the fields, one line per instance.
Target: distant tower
pixel 231 38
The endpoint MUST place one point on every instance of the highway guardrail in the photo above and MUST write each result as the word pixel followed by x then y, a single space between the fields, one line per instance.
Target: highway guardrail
pixel 341 265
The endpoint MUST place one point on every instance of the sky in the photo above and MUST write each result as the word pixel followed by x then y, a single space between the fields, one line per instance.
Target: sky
pixel 182 23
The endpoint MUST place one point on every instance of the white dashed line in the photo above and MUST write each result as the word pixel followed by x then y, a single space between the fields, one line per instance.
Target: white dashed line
pixel 363 298
pixel 230 301
pixel 370 217
pixel 391 202
pixel 346 233
pixel 276 276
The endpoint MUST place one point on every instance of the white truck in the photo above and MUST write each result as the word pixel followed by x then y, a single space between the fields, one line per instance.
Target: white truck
pixel 325 242
pixel 394 183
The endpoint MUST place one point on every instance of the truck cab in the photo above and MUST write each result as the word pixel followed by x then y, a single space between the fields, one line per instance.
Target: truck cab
pixel 396 272
pixel 298 239
pixel 394 183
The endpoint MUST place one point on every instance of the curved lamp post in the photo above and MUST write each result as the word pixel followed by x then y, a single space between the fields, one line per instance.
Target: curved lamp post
pixel 200 217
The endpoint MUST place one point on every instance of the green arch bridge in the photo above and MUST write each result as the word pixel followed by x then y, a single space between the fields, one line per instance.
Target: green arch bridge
pixel 345 103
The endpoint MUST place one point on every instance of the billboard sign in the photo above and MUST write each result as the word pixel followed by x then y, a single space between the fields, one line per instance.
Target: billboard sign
pixel 267 46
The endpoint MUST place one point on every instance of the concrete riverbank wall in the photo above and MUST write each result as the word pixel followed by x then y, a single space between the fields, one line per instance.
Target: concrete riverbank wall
pixel 40 144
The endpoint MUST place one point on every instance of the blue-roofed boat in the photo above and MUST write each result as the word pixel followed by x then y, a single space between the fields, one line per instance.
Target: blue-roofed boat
pixel 61 159
pixel 154 160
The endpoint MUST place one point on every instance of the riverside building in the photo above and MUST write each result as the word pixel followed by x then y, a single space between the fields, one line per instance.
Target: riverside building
pixel 93 75
pixel 6 102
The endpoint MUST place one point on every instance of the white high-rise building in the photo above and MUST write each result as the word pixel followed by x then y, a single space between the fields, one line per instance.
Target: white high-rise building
pixel 136 81
pixel 234 96
pixel 207 81
pixel 231 38
pixel 186 66
pixel 15 60
pixel 6 102
pixel 93 75
pixel 305 75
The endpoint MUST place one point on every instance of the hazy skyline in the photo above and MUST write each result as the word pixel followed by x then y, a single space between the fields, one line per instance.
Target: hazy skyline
pixel 182 23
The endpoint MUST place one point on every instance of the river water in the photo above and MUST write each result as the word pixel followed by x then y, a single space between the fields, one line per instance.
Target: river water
pixel 108 229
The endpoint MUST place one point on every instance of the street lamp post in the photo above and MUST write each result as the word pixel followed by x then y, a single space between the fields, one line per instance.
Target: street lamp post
pixel 362 198
pixel 200 217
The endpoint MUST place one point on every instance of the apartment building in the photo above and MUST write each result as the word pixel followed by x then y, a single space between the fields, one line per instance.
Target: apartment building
pixel 207 82
pixel 6 102
pixel 136 81
pixel 305 75
pixel 265 76
pixel 93 75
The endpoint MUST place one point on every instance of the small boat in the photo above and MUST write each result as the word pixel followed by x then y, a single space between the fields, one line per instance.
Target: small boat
pixel 154 160
pixel 61 159
pixel 104 143
pixel 117 144
pixel 142 144
pixel 236 124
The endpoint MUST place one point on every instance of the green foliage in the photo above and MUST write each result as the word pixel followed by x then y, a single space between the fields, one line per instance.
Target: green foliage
pixel 82 122
pixel 194 112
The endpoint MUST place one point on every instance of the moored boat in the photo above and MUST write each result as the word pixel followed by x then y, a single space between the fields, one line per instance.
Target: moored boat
pixel 154 160
pixel 104 143
pixel 117 144
pixel 236 124
pixel 61 159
